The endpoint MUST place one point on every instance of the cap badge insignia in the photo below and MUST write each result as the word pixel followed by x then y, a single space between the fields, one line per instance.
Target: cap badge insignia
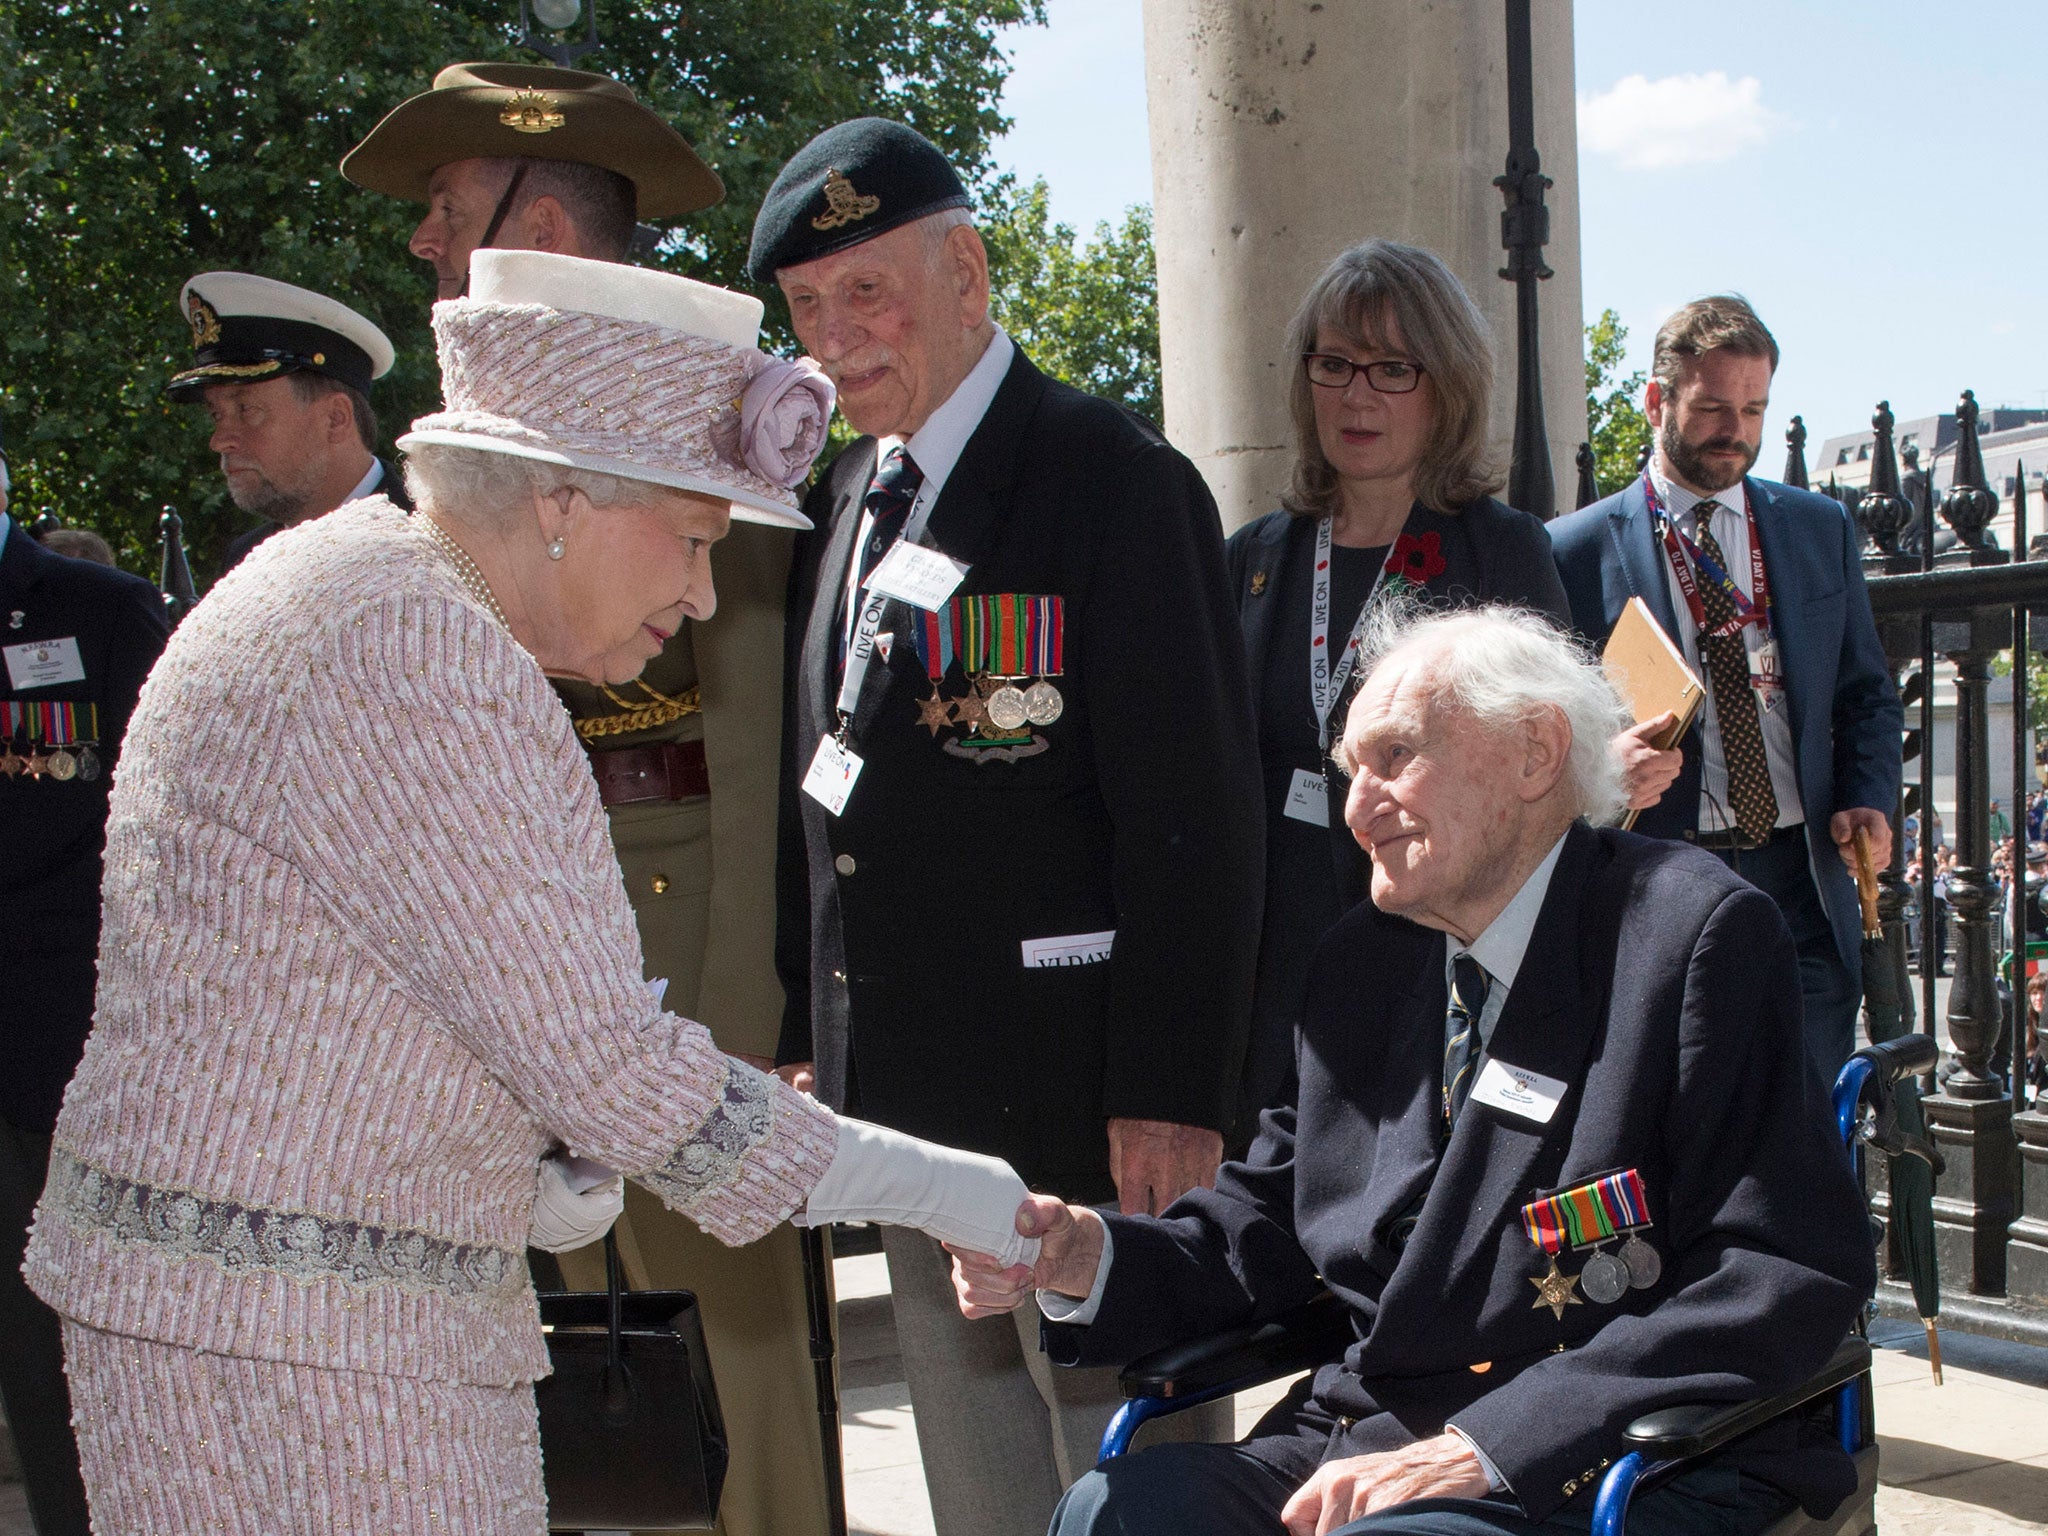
pixel 204 320
pixel 531 112
pixel 1258 583
pixel 843 205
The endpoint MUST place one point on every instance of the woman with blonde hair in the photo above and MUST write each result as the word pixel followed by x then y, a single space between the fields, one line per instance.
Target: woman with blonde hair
pixel 1389 386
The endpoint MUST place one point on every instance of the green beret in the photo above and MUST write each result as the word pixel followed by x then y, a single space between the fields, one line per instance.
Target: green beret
pixel 849 184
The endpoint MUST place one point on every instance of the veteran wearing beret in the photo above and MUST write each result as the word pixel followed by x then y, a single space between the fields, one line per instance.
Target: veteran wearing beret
pixel 527 157
pixel 1023 832
pixel 284 374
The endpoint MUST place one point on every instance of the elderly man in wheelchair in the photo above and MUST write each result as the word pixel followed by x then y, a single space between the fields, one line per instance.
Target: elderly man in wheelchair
pixel 1553 1147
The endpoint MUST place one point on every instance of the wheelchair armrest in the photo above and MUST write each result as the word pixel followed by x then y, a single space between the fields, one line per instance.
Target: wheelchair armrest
pixel 1310 1335
pixel 1694 1429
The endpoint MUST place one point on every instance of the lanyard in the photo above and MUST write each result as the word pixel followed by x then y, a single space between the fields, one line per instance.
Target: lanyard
pixel 865 605
pixel 1677 547
pixel 1326 684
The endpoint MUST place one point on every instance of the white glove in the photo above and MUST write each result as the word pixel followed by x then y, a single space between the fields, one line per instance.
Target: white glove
pixel 574 1202
pixel 959 1197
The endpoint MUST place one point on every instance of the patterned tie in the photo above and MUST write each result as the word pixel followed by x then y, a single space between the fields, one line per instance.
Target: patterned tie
pixel 887 503
pixel 1750 794
pixel 1469 985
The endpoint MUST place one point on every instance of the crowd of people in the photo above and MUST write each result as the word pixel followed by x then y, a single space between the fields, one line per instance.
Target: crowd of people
pixel 1007 829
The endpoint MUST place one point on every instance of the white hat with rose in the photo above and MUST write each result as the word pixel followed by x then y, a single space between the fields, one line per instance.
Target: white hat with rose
pixel 629 372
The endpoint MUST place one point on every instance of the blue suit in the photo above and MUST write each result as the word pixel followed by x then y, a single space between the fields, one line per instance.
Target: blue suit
pixel 1843 706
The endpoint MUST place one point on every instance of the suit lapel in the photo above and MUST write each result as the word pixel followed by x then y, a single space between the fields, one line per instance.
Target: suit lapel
pixel 1642 564
pixel 1488 1168
pixel 968 515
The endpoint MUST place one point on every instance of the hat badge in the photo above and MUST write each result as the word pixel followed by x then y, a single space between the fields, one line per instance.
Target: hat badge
pixel 843 205
pixel 531 112
pixel 204 320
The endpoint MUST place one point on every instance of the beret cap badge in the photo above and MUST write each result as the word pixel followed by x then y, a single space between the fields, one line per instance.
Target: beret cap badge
pixel 531 112
pixel 843 205
pixel 204 320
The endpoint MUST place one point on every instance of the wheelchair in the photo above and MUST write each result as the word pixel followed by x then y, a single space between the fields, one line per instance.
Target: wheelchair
pixel 1660 1445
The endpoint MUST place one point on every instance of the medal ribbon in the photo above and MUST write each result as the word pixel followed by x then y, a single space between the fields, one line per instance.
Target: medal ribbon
pixel 1590 1213
pixel 937 636
pixel 1675 541
pixel 1326 684
pixel 1046 635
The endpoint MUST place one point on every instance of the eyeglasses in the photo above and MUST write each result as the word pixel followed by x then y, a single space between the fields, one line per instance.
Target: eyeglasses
pixel 1390 375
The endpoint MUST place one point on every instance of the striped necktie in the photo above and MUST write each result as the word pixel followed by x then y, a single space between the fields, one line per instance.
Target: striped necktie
pixel 1750 795
pixel 1469 986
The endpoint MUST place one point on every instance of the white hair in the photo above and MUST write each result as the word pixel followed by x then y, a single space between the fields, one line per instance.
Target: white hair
pixel 1500 665
pixel 478 486
pixel 935 227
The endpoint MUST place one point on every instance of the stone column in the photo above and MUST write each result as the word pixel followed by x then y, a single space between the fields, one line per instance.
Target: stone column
pixel 1285 130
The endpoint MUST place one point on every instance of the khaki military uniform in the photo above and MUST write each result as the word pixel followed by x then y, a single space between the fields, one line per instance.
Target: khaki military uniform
pixel 701 875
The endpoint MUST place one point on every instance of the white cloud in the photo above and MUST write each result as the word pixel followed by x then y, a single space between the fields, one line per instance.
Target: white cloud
pixel 1656 125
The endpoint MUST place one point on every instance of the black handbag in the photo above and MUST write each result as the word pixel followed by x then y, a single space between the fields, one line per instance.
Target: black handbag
pixel 630 1433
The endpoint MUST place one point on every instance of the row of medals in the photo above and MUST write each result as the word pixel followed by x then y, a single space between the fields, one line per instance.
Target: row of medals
pixel 1608 1276
pixel 1004 705
pixel 60 763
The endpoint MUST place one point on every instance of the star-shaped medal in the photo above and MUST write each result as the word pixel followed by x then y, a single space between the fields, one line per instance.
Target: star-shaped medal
pixel 934 713
pixel 1555 1290
pixel 968 710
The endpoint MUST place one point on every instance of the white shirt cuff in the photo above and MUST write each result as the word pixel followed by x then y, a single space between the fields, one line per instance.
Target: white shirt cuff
pixel 1058 1307
pixel 1493 1477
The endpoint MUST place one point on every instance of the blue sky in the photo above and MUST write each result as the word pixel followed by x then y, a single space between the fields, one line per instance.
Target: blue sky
pixel 1871 174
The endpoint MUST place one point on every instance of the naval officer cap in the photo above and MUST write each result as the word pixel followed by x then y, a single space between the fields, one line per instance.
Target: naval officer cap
pixel 536 112
pixel 852 182
pixel 246 329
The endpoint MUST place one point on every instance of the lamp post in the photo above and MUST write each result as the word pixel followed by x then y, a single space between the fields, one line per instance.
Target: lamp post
pixel 556 16
pixel 1524 230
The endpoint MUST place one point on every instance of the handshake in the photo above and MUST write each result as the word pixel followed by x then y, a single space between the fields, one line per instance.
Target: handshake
pixel 974 1204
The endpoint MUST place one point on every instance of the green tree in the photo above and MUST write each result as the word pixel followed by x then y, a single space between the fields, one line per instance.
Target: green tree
pixel 142 141
pixel 1616 426
pixel 1086 314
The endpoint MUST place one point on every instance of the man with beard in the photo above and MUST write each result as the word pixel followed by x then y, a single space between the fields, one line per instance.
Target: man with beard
pixel 285 374
pixel 1797 747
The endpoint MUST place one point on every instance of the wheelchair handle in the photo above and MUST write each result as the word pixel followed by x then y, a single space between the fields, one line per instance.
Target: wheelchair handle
pixel 1907 1056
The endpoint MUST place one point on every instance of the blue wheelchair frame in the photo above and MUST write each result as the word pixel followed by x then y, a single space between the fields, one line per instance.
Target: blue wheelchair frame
pixel 1662 1443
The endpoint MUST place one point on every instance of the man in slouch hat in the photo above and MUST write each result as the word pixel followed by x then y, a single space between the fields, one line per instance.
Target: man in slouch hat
pixel 284 374
pixel 1004 922
pixel 529 157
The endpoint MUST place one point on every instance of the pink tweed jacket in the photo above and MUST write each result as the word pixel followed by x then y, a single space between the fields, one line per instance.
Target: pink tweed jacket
pixel 366 957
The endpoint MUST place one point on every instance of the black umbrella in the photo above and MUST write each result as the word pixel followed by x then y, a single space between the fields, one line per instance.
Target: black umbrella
pixel 818 1292
pixel 1900 1133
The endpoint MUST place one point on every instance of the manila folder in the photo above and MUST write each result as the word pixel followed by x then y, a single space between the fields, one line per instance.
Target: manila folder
pixel 1649 672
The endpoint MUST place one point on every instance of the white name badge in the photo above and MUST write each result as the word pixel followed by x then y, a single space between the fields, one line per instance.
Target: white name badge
pixel 1518 1091
pixel 1308 799
pixel 833 771
pixel 1070 949
pixel 44 663
pixel 923 578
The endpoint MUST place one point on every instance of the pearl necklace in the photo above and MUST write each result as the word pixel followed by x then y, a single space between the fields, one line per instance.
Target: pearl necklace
pixel 466 570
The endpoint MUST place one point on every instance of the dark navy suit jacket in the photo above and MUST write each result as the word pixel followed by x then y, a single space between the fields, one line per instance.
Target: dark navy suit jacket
pixel 1663 991
pixel 1844 707
pixel 52 830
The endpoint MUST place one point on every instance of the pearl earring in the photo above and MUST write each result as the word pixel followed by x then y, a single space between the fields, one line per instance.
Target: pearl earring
pixel 557 549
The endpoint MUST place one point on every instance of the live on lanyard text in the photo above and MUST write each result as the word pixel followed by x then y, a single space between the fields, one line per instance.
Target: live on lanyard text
pixel 1765 676
pixel 836 766
pixel 1326 684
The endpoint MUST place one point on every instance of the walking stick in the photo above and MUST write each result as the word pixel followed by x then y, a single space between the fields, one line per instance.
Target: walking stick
pixel 818 1292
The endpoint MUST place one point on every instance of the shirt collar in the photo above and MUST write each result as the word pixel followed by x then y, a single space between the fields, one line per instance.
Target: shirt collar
pixel 1679 502
pixel 6 523
pixel 1505 941
pixel 936 446
pixel 368 483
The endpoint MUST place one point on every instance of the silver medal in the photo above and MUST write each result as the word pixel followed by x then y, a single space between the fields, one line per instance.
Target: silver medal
pixel 1007 710
pixel 1643 1261
pixel 63 765
pixel 1043 704
pixel 1604 1279
pixel 88 763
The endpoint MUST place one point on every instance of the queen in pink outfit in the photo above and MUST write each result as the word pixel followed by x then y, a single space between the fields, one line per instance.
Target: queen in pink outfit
pixel 368 961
